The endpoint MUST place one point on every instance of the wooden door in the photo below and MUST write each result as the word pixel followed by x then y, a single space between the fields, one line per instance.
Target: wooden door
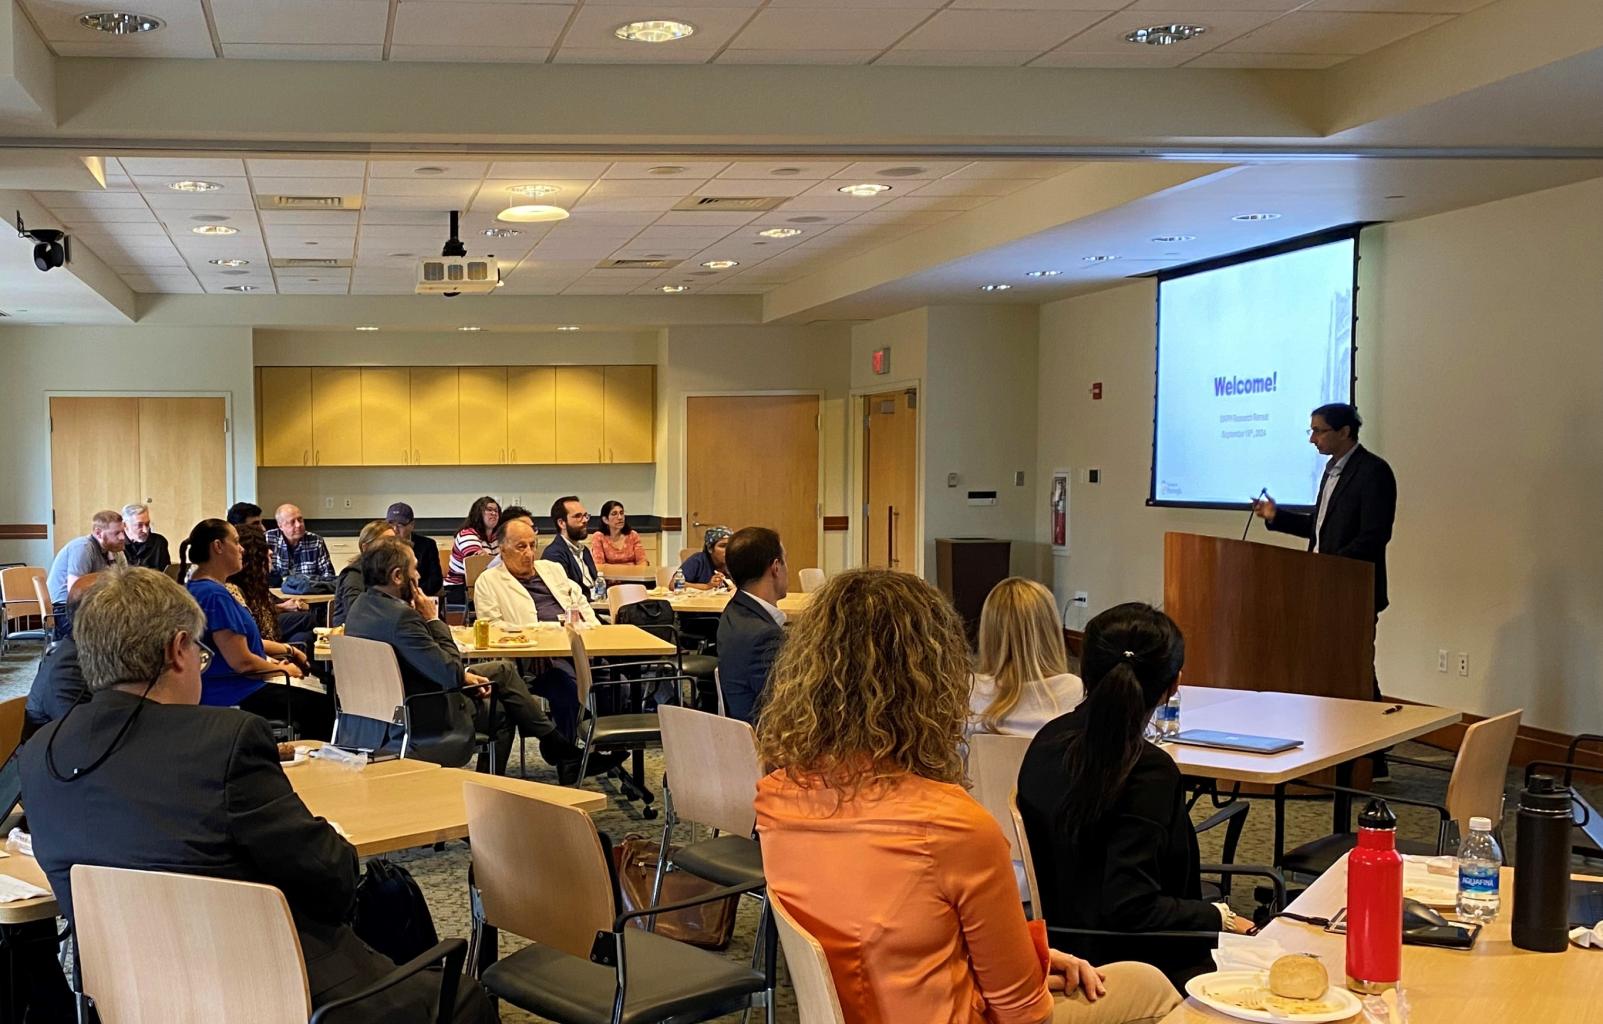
pixel 581 394
pixel 336 416
pixel 531 414
pixel 94 461
pixel 629 402
pixel 435 407
pixel 482 416
pixel 752 460
pixel 183 463
pixel 386 423
pixel 890 480
pixel 284 416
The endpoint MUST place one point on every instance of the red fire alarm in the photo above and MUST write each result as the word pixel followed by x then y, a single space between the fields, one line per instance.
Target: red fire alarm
pixel 1096 391
pixel 881 360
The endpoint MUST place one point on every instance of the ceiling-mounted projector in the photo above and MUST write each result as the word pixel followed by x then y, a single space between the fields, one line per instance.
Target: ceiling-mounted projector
pixel 454 272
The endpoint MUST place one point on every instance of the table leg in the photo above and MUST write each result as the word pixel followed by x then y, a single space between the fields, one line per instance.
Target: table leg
pixel 1280 822
pixel 1342 804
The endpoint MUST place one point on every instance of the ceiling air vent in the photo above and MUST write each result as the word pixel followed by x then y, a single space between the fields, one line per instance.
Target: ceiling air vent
pixel 658 264
pixel 726 204
pixel 295 263
pixel 309 202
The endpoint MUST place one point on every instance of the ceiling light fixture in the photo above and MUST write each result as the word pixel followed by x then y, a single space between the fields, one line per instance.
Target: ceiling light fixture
pixel 501 232
pixel 780 232
pixel 1165 35
pixel 1042 273
pixel 1168 239
pixel 674 289
pixel 1098 259
pixel 721 264
pixel 532 214
pixel 786 170
pixel 194 186
pixel 534 191
pixel 901 172
pixel 654 31
pixel 428 170
pixel 366 327
pixel 568 327
pixel 469 328
pixel 995 287
pixel 1256 216
pixel 234 273
pixel 239 288
pixel 864 190
pixel 119 23
pixel 666 169
pixel 208 218
pixel 215 230
pixel 229 263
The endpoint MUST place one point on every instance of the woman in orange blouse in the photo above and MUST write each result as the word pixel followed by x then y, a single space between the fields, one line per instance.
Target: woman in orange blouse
pixel 871 841
pixel 616 543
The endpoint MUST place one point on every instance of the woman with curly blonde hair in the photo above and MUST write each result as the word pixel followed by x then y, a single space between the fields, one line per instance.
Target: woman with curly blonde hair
pixel 872 843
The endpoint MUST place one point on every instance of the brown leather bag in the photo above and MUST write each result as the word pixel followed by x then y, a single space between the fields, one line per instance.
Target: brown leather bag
pixel 710 925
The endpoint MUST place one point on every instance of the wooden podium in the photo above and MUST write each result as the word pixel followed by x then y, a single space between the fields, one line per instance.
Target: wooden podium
pixel 1261 617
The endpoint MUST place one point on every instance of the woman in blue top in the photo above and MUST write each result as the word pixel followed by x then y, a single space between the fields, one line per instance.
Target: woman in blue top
pixel 246 664
pixel 704 570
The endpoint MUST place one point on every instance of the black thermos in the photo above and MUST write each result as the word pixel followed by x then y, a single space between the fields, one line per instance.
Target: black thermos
pixel 1542 866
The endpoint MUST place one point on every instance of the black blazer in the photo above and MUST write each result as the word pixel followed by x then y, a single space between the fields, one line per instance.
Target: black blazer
pixel 559 552
pixel 348 586
pixel 1135 870
pixel 57 686
pixel 198 790
pixel 428 564
pixel 1358 523
pixel 748 643
pixel 442 730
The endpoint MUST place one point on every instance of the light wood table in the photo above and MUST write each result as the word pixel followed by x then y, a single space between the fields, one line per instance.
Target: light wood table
pixel 320 604
pixel 1494 981
pixel 1334 733
pixel 712 602
pixel 40 908
pixel 319 774
pixel 629 573
pixel 550 641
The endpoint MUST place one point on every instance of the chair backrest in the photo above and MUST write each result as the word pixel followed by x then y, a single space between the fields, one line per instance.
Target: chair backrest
pixel 161 948
pixel 1480 774
pixel 1022 838
pixel 445 559
pixel 811 580
pixel 369 677
pixel 16 591
pixel 41 594
pixel 12 717
pixel 475 564
pixel 620 594
pixel 685 553
pixel 711 768
pixel 665 575
pixel 560 897
pixel 581 666
pixel 718 685
pixel 817 1002
pixel 993 764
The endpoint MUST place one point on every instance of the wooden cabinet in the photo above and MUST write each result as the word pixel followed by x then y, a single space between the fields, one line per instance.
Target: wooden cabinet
pixel 482 415
pixel 284 422
pixel 580 398
pixel 435 407
pixel 337 417
pixel 531 414
pixel 629 399
pixel 386 425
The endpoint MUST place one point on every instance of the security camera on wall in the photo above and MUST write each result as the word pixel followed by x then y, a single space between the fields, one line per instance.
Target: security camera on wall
pixel 51 248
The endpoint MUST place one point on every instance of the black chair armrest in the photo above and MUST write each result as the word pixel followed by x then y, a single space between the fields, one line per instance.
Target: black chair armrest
pixel 1234 809
pixel 667 908
pixel 1273 874
pixel 452 952
pixel 1415 762
pixel 1584 739
pixel 1390 799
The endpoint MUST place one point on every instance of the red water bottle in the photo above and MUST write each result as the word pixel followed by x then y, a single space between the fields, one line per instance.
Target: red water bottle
pixel 1375 903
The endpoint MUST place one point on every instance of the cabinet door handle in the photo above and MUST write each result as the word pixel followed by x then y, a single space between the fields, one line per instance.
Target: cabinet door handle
pixel 404 459
pixel 503 454
pixel 610 456
pixel 514 455
pixel 306 457
pixel 317 457
pixel 598 453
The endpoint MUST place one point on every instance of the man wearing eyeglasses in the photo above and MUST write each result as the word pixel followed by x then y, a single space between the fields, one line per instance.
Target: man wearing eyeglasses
pixel 1357 504
pixel 570 549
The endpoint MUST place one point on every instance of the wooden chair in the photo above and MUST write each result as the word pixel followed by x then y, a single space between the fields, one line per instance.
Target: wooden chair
pixel 41 593
pixel 621 594
pixel 710 773
pixel 13 716
pixel 370 687
pixel 18 603
pixel 612 732
pixel 665 575
pixel 811 580
pixel 1018 838
pixel 162 948
pixel 817 1002
pixel 472 567
pixel 684 553
pixel 585 963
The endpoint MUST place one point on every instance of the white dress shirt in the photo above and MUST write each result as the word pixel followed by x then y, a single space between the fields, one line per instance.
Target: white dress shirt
pixel 772 610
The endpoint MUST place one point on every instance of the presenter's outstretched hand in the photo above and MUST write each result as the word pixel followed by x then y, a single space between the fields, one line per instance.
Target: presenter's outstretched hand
pixel 1264 508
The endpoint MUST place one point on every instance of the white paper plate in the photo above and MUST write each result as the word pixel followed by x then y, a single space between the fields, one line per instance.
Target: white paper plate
pixel 302 755
pixel 1199 988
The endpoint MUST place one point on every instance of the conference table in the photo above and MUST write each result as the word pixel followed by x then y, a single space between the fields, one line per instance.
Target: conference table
pixel 629 573
pixel 547 640
pixel 713 602
pixel 1494 981
pixel 320 605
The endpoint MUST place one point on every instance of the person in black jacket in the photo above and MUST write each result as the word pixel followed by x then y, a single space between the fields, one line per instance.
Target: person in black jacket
pixel 1104 810
pixel 571 549
pixel 752 627
pixel 143 547
pixel 349 584
pixel 144 777
pixel 59 684
pixel 430 574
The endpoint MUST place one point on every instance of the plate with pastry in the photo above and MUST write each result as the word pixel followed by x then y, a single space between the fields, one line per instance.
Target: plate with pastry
pixel 1295 988
pixel 290 755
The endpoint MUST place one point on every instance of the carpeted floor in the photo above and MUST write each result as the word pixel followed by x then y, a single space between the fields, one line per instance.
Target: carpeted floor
pixel 443 874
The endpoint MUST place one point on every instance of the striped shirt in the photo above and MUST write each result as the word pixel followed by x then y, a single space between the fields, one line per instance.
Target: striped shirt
pixel 466 545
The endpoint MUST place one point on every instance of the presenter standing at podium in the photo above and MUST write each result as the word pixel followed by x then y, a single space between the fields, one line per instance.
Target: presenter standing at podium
pixel 1357 504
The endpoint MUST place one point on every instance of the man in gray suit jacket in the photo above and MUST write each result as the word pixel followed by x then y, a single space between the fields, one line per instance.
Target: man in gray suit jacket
pixel 144 777
pixel 752 626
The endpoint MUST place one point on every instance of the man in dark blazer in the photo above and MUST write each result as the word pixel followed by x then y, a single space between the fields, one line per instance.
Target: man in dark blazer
pixel 430 577
pixel 1356 506
pixel 752 627
pixel 144 777
pixel 571 549
pixel 59 684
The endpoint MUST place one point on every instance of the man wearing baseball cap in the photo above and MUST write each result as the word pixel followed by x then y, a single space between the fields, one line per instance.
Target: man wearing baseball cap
pixel 400 516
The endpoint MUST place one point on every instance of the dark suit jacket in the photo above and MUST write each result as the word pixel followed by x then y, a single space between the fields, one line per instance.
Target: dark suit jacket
pixel 198 790
pixel 428 564
pixel 152 554
pixel 442 730
pixel 1358 523
pixel 559 552
pixel 748 642
pixel 57 686
pixel 348 586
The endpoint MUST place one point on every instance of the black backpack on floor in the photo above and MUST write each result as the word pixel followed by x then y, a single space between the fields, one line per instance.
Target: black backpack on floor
pixel 391 914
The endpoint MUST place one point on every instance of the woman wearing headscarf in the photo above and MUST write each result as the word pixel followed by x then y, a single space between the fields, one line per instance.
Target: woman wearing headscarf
pixel 704 570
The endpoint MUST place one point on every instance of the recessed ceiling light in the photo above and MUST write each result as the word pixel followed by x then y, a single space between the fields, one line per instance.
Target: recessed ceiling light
pixel 501 232
pixel 533 214
pixel 675 289
pixel 215 229
pixel 780 232
pixel 786 170
pixel 1395 197
pixel 568 327
pixel 666 169
pixel 239 288
pixel 534 191
pixel 208 218
pixel 995 287
pixel 469 328
pixel 230 263
pixel 194 186
pixel 234 273
pixel 654 31
pixel 1042 273
pixel 366 327
pixel 864 190
pixel 1098 259
pixel 428 170
pixel 1165 35
pixel 1167 239
pixel 901 172
pixel 400 255
pixel 721 264
pixel 808 219
pixel 1256 216
pixel 120 24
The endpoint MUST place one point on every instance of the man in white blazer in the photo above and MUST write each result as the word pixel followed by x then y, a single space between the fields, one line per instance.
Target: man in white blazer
pixel 524 590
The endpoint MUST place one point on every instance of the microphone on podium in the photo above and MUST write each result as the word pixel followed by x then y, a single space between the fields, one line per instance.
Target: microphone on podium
pixel 1262 493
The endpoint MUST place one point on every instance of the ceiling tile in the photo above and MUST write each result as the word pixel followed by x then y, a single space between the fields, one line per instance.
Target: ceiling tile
pixel 58 19
pixel 920 204
pixel 738 56
pixel 592 29
pixel 266 168
pixel 1145 57
pixel 1013 169
pixel 781 28
pixel 998 30
pixel 1192 7
pixel 398 217
pixel 957 58
pixel 699 218
pixel 541 170
pixel 156 185
pixel 655 55
pixel 690 169
pixel 193 45
pixel 1103 6
pixel 183 167
pixel 890 171
pixel 501 25
pixel 814 170
pixel 303 51
pixel 1401 6
pixel 1290 61
pixel 620 204
pixel 456 190
pixel 464 53
pixel 735 188
pixel 1316 32
pixel 407 168
pixel 91 200
pixel 627 187
pixel 307 186
pixel 301 21
pixel 74 217
pixel 1222 26
pixel 950 186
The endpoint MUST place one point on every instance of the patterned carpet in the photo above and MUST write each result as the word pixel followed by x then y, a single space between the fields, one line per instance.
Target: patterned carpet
pixel 442 875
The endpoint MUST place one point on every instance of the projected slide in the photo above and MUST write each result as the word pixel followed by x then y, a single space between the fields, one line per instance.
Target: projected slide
pixel 1245 351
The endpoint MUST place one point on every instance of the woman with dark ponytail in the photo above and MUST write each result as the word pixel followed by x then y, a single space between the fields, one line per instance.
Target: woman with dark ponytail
pixel 1104 809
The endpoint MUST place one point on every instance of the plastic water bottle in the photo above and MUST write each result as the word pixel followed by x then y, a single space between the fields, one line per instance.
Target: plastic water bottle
pixel 1168 719
pixel 598 591
pixel 677 584
pixel 1479 864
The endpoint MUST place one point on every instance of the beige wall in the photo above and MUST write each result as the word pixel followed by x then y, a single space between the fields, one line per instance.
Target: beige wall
pixel 1480 345
pixel 127 360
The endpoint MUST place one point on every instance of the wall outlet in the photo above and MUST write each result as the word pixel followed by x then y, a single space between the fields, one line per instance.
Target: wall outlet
pixel 328 502
pixel 1018 478
pixel 951 479
pixel 1082 599
pixel 1093 476
pixel 347 503
pixel 1441 659
pixel 1463 664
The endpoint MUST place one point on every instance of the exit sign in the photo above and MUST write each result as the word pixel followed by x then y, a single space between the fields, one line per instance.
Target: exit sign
pixel 881 360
